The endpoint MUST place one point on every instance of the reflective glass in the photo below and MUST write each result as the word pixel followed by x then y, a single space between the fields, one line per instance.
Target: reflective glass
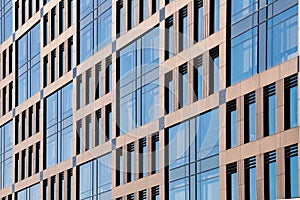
pixel 234 191
pixel 243 56
pixel 294 176
pixel 271 104
pixel 233 136
pixel 293 106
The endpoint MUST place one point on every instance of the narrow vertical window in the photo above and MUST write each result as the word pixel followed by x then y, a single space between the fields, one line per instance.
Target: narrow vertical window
pixel 214 16
pixel 183 29
pixel 120 17
pixel 155 6
pixel 142 159
pixel 70 185
pixel 53 66
pixel 198 21
pixel 99 127
pixel 61 186
pixel 291 171
pixel 250 117
pixel 169 40
pixel 46 65
pixel 53 23
pixel 198 78
pixel 270 175
pixel 98 81
pixel 155 153
pixel 79 92
pixel 108 123
pixel 70 54
pixel 232 181
pixel 23 11
pixel 71 12
pixel 88 90
pixel 143 10
pixel 108 75
pixel 290 102
pixel 269 110
pixel 169 93
pixel 231 129
pixel 30 123
pixel 119 169
pixel 88 133
pixel 183 86
pixel 130 14
pixel 62 17
pixel 250 178
pixel 130 162
pixel 79 137
pixel 214 70
pixel 142 195
pixel 61 60
pixel 155 193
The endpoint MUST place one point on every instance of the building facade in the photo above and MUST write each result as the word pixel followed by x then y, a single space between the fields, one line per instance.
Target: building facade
pixel 149 99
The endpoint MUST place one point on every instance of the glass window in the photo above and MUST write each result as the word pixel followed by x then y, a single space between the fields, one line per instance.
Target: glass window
pixel 120 16
pixel 198 21
pixel 169 41
pixel 6 155
pixel 216 15
pixel 130 162
pixel 30 193
pixel 291 102
pixel 242 9
pixel 250 117
pixel 28 64
pixel 282 37
pixel 89 88
pixel 183 29
pixel 291 168
pixel 119 167
pixel 5 20
pixel 109 76
pixel 243 56
pixel 183 86
pixel 138 86
pixel 208 185
pixel 59 126
pixel 98 81
pixel 198 79
pixel 250 178
pixel 142 158
pixel 169 93
pixel 207 134
pixel 130 14
pixel 270 175
pixel 155 154
pixel 95 28
pixel 269 110
pixel 108 123
pixel 232 181
pixel 95 179
pixel 231 125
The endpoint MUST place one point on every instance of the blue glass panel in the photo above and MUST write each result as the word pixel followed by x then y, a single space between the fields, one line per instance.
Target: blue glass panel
pixel 241 9
pixel 67 92
pixel 234 191
pixel 294 176
pixel 216 15
pixel 282 37
pixel 208 184
pixel 179 190
pixel 200 23
pixel 104 29
pixel 35 79
pixel 150 102
pixel 178 145
pixel 52 110
pixel 293 107
pixel 243 56
pixel 67 143
pixel 86 180
pixel 252 177
pixel 272 180
pixel 252 122
pixel 86 7
pixel 86 42
pixel 233 122
pixel 51 150
pixel 272 114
